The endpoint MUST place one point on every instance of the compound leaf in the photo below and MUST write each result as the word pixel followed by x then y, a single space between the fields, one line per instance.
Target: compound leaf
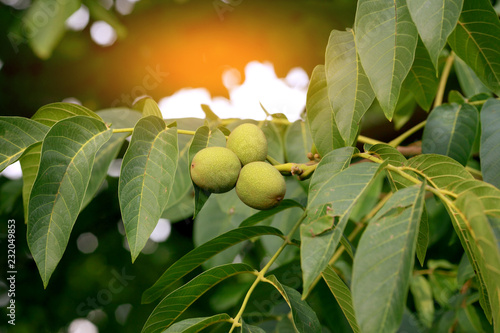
pixel 349 89
pixel 320 117
pixel 52 113
pixel 339 191
pixel 476 40
pixel 16 135
pixel 119 118
pixel 148 107
pixel 440 171
pixel 435 20
pixel 490 142
pixel 175 303
pixel 386 39
pixel 67 156
pixel 194 325
pixel 450 130
pixel 146 179
pixel 202 253
pixel 342 295
pixel 486 249
pixel 304 318
pixel 384 260
pixel 422 81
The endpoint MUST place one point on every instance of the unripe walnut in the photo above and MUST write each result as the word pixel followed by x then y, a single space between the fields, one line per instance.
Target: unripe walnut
pixel 249 143
pixel 260 185
pixel 215 169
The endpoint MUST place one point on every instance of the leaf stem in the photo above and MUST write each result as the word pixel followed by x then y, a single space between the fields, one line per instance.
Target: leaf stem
pixel 262 272
pixel 365 139
pixel 397 141
pixel 123 130
pixel 481 102
pixel 444 78
pixel 272 160
pixel 130 130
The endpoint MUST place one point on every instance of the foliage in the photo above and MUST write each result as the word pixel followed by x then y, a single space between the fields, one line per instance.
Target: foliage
pixel 356 218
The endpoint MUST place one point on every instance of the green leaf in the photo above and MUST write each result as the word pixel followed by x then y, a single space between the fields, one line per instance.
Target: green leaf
pixel 395 158
pixel 490 142
pixel 475 40
pixel 275 144
pixel 264 214
pixel 450 130
pixel 298 142
pixel 486 248
pixel 340 192
pixel 119 118
pixel 146 179
pixel 175 303
pixel 404 108
pixel 44 23
pixel 422 81
pixel 245 328
pixel 465 270
pixel 148 107
pixel 469 82
pixel 486 193
pixel 221 213
pixel 320 117
pixel 329 166
pixel 435 20
pixel 422 297
pixel 304 318
pixel 368 199
pixel 463 230
pixel 203 138
pixel 384 261
pixel 468 320
pixel 440 171
pixel 349 89
pixel 209 114
pixel 194 325
pixel 52 113
pixel 386 39
pixel 16 135
pixel 180 203
pixel 66 161
pixel 423 237
pixel 200 254
pixel 30 162
pixel 342 295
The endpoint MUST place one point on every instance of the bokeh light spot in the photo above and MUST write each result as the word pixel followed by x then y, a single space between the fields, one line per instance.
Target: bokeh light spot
pixel 102 33
pixel 79 19
pixel 122 312
pixel 82 326
pixel 115 167
pixel 17 4
pixel 297 78
pixel 13 171
pixel 72 100
pixel 161 231
pixel 87 242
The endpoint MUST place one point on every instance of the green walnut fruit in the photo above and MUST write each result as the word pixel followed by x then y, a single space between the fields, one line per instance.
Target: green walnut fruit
pixel 215 169
pixel 260 185
pixel 248 142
